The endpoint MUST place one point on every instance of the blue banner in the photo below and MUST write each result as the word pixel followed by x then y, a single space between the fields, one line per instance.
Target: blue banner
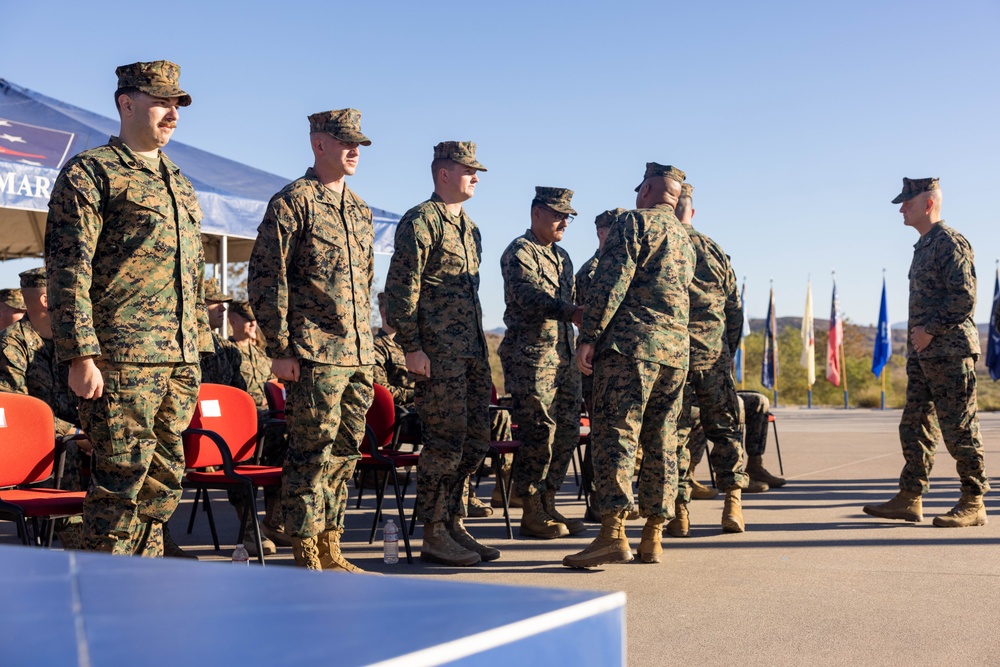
pixel 769 369
pixel 883 339
pixel 993 347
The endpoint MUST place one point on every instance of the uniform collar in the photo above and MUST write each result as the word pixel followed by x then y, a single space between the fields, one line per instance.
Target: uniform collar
pixel 325 194
pixel 929 236
pixel 133 161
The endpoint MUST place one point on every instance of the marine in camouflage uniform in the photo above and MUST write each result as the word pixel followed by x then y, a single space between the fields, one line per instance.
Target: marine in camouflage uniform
pixel 310 281
pixel 256 365
pixel 433 304
pixel 125 272
pixel 537 357
pixel 635 336
pixel 942 350
pixel 223 364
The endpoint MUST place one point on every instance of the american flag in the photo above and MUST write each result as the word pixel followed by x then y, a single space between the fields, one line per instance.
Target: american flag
pixel 34 145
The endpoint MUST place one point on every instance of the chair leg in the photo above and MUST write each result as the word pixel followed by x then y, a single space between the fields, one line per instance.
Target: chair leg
pixel 361 487
pixel 379 499
pixel 402 514
pixel 504 488
pixel 777 447
pixel 711 468
pixel 194 510
pixel 211 520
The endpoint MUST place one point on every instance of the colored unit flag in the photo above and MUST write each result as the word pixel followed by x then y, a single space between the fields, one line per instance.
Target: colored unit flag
pixel 808 360
pixel 739 358
pixel 834 342
pixel 993 346
pixel 769 369
pixel 883 339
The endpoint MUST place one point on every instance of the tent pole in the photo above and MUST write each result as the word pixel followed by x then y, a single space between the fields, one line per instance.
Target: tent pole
pixel 224 280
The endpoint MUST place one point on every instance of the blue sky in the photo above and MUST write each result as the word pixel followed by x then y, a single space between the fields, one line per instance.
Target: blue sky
pixel 794 121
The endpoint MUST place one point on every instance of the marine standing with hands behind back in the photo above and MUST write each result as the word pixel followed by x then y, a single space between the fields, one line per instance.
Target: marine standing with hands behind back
pixel 309 284
pixel 126 273
pixel 433 303
pixel 941 356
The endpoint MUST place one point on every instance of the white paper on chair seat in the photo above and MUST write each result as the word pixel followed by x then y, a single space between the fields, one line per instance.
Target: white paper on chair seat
pixel 3 418
pixel 211 408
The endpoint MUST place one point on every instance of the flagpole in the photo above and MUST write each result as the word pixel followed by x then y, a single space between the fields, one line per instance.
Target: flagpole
pixel 843 370
pixel 774 333
pixel 881 373
pixel 882 377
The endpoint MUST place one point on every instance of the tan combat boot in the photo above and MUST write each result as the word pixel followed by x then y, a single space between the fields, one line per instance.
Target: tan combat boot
pixel 970 511
pixel 651 545
pixel 756 486
pixel 680 525
pixel 249 542
pixel 575 526
pixel 701 492
pixel 732 512
pixel 330 556
pixel 478 509
pixel 170 548
pixel 906 506
pixel 536 522
pixel 306 552
pixel 456 528
pixel 611 545
pixel 272 528
pixel 757 471
pixel 440 547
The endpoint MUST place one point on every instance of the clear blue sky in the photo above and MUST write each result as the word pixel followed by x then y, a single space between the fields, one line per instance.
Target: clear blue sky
pixel 794 121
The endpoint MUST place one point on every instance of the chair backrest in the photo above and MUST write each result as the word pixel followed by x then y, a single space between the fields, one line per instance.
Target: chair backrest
pixel 274 392
pixel 229 412
pixel 27 439
pixel 381 416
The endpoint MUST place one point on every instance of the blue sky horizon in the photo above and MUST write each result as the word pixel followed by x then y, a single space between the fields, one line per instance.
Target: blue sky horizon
pixel 794 122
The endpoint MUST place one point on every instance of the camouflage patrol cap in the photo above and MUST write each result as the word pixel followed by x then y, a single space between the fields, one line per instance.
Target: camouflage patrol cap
pixel 605 219
pixel 667 171
pixel 242 308
pixel 32 278
pixel 159 78
pixel 462 152
pixel 686 190
pixel 12 297
pixel 555 198
pixel 213 294
pixel 341 124
pixel 914 186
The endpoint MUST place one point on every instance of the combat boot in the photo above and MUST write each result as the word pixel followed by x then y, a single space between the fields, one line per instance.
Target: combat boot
pixel 905 506
pixel 306 552
pixel 610 546
pixel 732 512
pixel 575 526
pixel 249 542
pixel 536 522
pixel 970 511
pixel 756 486
pixel 680 525
pixel 272 528
pixel 701 492
pixel 513 500
pixel 478 509
pixel 651 545
pixel 330 556
pixel 170 548
pixel 757 471
pixel 456 528
pixel 440 547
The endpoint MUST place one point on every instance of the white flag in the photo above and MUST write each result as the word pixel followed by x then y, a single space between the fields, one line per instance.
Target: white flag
pixel 808 360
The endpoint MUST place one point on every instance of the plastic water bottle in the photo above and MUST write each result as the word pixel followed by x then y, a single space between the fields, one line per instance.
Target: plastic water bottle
pixel 390 543
pixel 240 555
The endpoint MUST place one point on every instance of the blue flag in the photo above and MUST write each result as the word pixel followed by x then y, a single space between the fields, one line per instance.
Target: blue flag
pixel 993 347
pixel 738 358
pixel 883 339
pixel 769 369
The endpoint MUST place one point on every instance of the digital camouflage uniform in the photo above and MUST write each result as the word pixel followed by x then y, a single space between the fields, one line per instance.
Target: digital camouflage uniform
pixel 223 365
pixel 310 281
pixel 255 367
pixel 433 304
pixel 941 379
pixel 390 369
pixel 125 283
pixel 636 316
pixel 537 354
pixel 715 327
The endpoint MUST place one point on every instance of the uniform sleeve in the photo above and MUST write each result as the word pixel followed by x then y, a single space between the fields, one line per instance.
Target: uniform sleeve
pixel 13 366
pixel 733 308
pixel 402 284
pixel 612 278
pixel 72 229
pixel 958 275
pixel 204 331
pixel 235 359
pixel 267 280
pixel 525 286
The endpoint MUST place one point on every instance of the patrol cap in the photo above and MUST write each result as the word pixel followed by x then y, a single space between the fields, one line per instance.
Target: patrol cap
pixel 914 186
pixel 462 152
pixel 12 297
pixel 242 308
pixel 686 190
pixel 159 78
pixel 667 171
pixel 341 124
pixel 213 294
pixel 32 278
pixel 555 198
pixel 605 219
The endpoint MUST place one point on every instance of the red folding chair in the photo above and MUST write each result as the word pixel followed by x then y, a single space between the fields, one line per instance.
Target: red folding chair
pixel 27 455
pixel 223 434
pixel 382 455
pixel 498 449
